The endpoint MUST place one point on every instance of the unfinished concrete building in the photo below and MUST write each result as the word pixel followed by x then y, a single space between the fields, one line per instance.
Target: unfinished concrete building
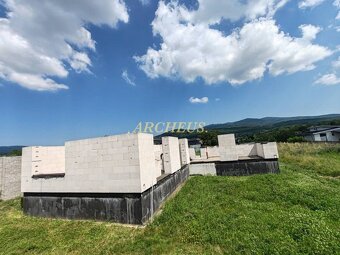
pixel 125 178
pixel 231 159
pixel 121 178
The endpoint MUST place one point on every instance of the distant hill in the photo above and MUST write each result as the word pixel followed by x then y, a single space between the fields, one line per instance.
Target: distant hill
pixel 253 125
pixel 280 129
pixel 8 149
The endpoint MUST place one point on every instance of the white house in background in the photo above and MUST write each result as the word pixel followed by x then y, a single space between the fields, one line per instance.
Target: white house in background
pixel 324 134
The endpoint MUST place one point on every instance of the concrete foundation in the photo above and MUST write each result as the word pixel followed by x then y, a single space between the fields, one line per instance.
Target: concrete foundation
pixel 121 208
pixel 236 168
pixel 161 191
pixel 203 169
pixel 247 167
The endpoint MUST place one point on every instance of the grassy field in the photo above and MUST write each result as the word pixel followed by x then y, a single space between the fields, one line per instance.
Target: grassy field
pixel 296 212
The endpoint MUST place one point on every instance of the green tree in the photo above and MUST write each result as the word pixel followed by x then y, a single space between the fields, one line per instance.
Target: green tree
pixel 209 138
pixel 14 153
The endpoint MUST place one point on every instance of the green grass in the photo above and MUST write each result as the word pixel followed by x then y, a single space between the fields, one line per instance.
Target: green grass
pixel 296 212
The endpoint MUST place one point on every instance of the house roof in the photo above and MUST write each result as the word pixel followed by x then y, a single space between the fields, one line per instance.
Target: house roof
pixel 322 128
pixel 336 130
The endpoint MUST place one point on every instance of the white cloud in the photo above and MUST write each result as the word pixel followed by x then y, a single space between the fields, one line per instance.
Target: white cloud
pixel 309 32
pixel 35 82
pixel 328 79
pixel 217 99
pixel 191 50
pixel 310 3
pixel 127 78
pixel 336 3
pixel 195 100
pixel 40 40
pixel 336 63
pixel 80 62
pixel 212 11
pixel 145 2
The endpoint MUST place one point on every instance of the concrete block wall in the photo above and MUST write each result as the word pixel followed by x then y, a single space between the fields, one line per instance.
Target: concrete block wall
pixel 213 152
pixel 229 151
pixel 246 150
pixel 171 154
pixel 227 147
pixel 270 151
pixel 159 159
pixel 10 173
pixel 259 150
pixel 184 150
pixel 113 164
pixel 192 153
pixel 204 154
pixel 113 161
pixel 48 160
pixel 147 167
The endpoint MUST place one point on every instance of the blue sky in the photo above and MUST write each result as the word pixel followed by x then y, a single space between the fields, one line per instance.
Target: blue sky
pixel 99 101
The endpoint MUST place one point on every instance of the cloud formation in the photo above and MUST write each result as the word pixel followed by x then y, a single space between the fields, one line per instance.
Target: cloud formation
pixel 310 3
pixel 213 11
pixel 145 2
pixel 195 100
pixel 126 77
pixel 192 49
pixel 336 63
pixel 328 79
pixel 43 40
pixel 336 3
